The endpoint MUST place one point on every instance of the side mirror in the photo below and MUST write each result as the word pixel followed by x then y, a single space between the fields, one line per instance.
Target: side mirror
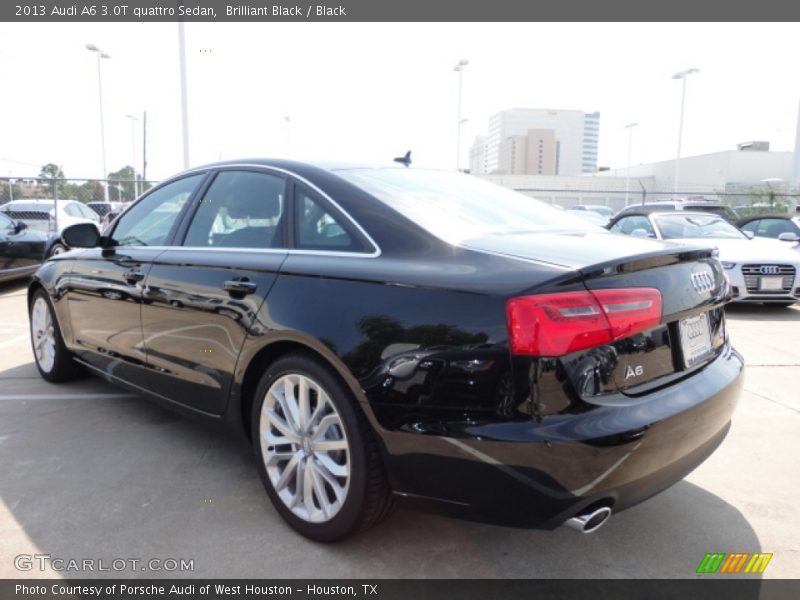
pixel 788 236
pixel 641 233
pixel 20 226
pixel 749 234
pixel 81 235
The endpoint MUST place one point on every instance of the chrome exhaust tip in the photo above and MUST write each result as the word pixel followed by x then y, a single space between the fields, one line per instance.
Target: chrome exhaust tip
pixel 591 521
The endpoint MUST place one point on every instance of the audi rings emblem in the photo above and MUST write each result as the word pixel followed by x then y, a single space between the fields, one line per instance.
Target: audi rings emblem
pixel 703 281
pixel 770 270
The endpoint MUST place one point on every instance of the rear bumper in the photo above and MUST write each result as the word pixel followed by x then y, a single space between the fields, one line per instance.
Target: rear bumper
pixel 539 474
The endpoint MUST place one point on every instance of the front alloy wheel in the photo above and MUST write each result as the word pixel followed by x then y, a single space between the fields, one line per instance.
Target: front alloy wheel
pixel 305 448
pixel 43 334
pixel 53 360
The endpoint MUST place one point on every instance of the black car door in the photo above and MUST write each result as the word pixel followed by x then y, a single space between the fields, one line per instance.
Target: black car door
pixel 8 253
pixel 203 297
pixel 105 286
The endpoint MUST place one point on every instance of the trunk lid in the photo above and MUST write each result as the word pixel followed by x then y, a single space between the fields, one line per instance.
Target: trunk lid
pixel 693 290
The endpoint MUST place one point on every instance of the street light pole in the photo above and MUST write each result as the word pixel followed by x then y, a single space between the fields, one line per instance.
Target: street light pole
pixel 133 148
pixel 101 55
pixel 682 75
pixel 184 93
pixel 629 127
pixel 459 68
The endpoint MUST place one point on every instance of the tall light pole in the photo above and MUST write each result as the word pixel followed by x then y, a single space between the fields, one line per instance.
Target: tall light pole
pixel 629 127
pixel 101 55
pixel 287 123
pixel 682 75
pixel 459 68
pixel 133 155
pixel 184 93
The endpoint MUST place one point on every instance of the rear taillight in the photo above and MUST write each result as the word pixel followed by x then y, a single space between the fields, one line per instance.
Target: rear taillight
pixel 558 324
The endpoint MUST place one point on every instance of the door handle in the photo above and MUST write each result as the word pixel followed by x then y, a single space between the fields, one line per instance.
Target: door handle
pixel 236 286
pixel 133 276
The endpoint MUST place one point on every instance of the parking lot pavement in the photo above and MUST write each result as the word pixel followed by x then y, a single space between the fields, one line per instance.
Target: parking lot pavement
pixel 89 472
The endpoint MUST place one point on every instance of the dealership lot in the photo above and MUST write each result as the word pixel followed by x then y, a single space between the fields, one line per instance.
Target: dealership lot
pixel 90 472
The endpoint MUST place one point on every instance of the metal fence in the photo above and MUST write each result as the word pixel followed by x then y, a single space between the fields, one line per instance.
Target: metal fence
pixel 83 190
pixel 744 203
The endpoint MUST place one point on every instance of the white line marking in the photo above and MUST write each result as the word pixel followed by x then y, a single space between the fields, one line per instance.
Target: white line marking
pixel 14 340
pixel 18 397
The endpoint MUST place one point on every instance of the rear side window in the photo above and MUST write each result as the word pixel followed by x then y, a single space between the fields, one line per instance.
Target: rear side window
pixel 149 222
pixel 317 228
pixel 72 210
pixel 241 209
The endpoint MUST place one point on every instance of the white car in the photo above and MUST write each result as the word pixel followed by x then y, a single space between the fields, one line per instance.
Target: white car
pixel 41 214
pixel 760 270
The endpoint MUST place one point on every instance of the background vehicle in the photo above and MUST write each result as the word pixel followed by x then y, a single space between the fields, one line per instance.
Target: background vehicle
pixel 21 249
pixel 759 270
pixel 772 226
pixel 39 215
pixel 707 206
pixel 401 333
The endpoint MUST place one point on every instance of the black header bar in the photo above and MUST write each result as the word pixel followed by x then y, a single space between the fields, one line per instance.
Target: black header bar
pixel 705 588
pixel 399 10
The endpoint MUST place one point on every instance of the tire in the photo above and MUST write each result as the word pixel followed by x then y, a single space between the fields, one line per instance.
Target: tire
pixel 57 248
pixel 342 485
pixel 51 356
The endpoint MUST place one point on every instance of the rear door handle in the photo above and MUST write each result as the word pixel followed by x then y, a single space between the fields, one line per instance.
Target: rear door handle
pixel 133 276
pixel 239 287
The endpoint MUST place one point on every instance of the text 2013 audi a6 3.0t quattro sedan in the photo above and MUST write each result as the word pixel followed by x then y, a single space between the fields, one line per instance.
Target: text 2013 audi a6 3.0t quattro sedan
pixel 383 333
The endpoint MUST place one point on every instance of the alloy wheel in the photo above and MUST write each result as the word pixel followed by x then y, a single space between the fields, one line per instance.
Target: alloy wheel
pixel 305 448
pixel 43 334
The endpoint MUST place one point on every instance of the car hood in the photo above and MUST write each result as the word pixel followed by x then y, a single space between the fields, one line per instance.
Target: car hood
pixel 574 250
pixel 758 250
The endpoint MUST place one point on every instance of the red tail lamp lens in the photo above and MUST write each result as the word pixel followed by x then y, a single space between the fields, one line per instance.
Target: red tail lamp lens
pixel 558 324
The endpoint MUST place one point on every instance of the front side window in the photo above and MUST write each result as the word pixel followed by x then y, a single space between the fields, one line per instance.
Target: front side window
pixel 241 209
pixel 5 222
pixel 149 221
pixel 772 228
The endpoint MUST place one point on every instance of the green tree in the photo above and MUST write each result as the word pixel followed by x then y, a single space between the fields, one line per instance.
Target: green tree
pixel 121 184
pixel 51 176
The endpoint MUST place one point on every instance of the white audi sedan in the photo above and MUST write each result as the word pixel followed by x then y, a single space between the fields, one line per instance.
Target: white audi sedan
pixel 760 269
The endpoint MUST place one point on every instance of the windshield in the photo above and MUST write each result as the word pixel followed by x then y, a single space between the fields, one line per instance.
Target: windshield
pixel 696 226
pixel 457 207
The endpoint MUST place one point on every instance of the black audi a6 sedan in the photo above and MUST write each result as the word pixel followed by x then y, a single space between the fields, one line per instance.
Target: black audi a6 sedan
pixel 383 333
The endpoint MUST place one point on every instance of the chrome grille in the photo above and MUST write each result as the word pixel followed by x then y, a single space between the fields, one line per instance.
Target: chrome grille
pixel 754 273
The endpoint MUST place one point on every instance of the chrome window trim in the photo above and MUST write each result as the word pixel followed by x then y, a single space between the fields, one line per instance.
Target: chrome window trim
pixel 255 251
pixel 374 254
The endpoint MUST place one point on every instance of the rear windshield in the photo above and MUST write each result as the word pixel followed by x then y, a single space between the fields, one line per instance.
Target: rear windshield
pixel 457 207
